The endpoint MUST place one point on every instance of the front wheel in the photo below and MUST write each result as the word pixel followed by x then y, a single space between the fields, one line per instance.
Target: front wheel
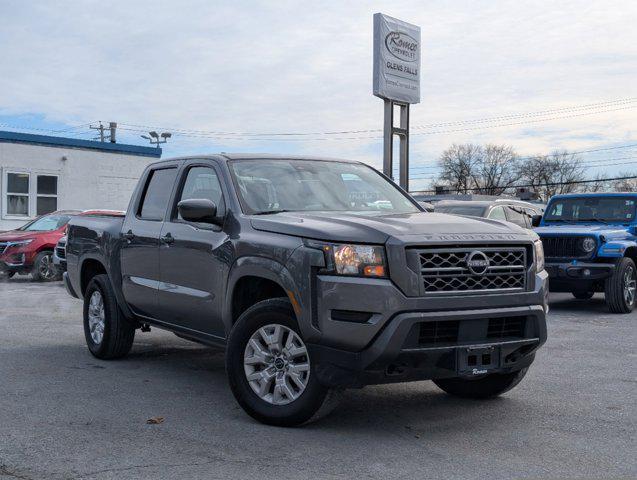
pixel 486 387
pixel 43 268
pixel 621 287
pixel 270 368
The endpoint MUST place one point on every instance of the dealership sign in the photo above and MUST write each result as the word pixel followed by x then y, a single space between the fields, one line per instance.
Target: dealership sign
pixel 396 59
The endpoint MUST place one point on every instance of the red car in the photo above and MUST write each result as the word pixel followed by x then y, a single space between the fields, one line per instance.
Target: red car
pixel 29 249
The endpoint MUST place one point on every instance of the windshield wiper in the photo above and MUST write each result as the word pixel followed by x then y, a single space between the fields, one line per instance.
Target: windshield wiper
pixel 271 212
pixel 592 220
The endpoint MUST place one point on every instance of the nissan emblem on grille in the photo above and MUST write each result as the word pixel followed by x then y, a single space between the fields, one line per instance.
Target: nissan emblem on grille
pixel 478 263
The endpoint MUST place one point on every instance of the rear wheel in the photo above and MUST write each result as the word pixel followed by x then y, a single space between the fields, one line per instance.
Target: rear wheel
pixel 108 334
pixel 583 295
pixel 43 268
pixel 486 387
pixel 270 368
pixel 621 288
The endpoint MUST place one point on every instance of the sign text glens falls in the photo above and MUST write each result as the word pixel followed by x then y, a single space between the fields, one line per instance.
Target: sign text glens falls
pixel 396 59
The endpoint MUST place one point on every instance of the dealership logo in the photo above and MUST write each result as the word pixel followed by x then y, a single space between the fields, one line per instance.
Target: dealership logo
pixel 478 263
pixel 402 46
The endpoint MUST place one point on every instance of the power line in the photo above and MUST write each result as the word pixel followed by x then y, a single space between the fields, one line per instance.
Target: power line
pixel 551 184
pixel 529 157
pixel 600 107
pixel 590 163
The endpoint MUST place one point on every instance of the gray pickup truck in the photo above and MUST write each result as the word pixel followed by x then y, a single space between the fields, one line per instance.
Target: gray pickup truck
pixel 315 275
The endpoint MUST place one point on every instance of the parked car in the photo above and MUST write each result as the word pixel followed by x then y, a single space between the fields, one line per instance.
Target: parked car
pixel 427 207
pixel 590 241
pixel 29 249
pixel 308 289
pixel 509 210
pixel 59 252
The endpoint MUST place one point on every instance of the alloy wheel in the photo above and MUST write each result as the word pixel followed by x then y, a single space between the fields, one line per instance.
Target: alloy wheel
pixel 276 364
pixel 96 317
pixel 46 269
pixel 630 285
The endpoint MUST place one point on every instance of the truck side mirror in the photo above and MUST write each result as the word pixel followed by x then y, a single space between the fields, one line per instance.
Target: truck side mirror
pixel 536 220
pixel 199 210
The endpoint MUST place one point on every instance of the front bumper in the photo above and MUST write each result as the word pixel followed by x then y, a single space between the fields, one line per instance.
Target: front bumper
pixel 15 262
pixel 580 271
pixel 60 263
pixel 399 353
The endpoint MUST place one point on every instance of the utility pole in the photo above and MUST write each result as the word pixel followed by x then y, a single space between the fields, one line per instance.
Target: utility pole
pixel 101 129
pixel 112 128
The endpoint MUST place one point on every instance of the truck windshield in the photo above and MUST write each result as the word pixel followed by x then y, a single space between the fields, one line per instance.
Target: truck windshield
pixel 47 223
pixel 615 209
pixel 470 210
pixel 271 186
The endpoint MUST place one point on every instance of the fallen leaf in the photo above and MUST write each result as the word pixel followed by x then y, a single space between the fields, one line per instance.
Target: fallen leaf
pixel 155 420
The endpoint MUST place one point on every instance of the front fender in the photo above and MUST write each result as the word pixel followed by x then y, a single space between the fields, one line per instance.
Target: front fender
pixel 270 270
pixel 616 248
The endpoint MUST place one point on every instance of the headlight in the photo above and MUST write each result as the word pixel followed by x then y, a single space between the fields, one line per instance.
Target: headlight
pixel 588 244
pixel 19 243
pixel 357 260
pixel 539 255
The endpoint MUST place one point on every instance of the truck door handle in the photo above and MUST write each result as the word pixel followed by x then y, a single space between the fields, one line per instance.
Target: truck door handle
pixel 129 235
pixel 167 239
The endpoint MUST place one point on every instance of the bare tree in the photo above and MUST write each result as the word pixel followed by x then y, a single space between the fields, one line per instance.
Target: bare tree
pixel 472 168
pixel 552 174
pixel 497 170
pixel 457 164
pixel 627 185
pixel 598 185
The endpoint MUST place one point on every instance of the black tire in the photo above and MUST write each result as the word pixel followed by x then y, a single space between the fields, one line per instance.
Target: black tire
pixel 314 402
pixel 615 288
pixel 118 332
pixel 480 388
pixel 43 268
pixel 583 295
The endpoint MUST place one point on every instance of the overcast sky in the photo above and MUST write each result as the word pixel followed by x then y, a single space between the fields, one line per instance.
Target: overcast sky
pixel 306 67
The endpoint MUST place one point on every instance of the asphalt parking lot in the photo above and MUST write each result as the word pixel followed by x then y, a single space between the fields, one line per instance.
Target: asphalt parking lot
pixel 66 415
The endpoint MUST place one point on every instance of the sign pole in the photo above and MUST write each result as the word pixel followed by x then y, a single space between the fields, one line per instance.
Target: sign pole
pixel 388 139
pixel 404 146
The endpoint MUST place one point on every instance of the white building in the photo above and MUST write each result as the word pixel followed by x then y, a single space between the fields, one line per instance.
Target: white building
pixel 41 174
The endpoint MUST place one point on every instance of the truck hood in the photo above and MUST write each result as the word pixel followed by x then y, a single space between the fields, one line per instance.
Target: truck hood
pixel 346 227
pixel 15 235
pixel 597 229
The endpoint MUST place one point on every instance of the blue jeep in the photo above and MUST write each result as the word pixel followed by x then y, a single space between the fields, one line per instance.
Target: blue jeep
pixel 590 245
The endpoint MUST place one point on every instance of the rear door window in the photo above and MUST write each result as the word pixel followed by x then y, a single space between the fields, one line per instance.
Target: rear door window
pixel 497 213
pixel 157 194
pixel 516 216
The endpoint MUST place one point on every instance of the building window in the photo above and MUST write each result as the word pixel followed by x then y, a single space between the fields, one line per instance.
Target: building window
pixel 18 194
pixel 47 194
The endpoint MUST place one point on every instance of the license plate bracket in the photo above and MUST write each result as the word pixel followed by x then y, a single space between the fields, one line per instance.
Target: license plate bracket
pixel 477 360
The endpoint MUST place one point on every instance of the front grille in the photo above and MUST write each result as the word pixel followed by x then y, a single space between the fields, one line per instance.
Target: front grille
pixel 473 269
pixel 3 247
pixel 506 327
pixel 433 333
pixel 61 252
pixel 563 247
